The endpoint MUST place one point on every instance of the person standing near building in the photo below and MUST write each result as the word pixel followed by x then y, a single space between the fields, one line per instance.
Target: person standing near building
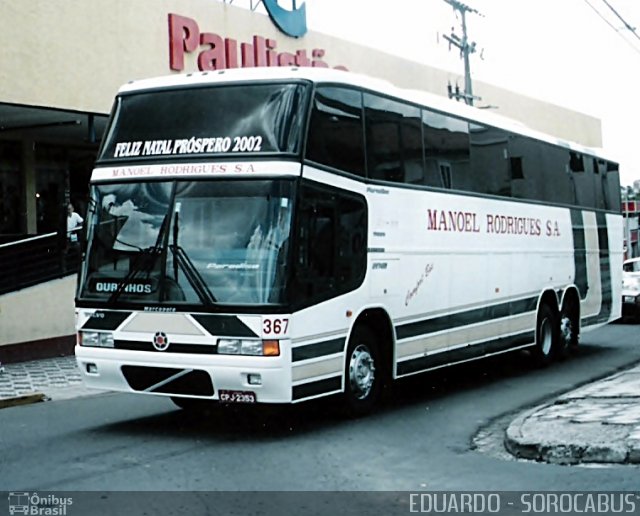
pixel 74 223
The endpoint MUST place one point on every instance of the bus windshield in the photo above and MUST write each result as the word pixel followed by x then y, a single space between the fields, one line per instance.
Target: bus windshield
pixel 200 242
pixel 217 120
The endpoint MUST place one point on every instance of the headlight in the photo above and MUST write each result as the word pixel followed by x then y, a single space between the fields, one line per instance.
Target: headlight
pixel 229 346
pixel 95 339
pixel 248 347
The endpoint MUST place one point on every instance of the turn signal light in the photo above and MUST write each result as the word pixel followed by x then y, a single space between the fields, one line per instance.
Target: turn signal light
pixel 271 348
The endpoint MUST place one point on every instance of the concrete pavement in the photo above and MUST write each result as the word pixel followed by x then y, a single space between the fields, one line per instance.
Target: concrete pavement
pixel 596 423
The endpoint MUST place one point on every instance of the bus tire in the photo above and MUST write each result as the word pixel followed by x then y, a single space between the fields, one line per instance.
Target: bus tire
pixel 547 329
pixel 569 332
pixel 363 372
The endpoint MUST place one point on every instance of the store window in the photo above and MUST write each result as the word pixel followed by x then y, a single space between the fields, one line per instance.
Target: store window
pixel 10 188
pixel 51 187
pixel 62 176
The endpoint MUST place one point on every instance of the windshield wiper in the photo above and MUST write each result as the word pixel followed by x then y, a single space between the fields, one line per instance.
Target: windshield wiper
pixel 181 260
pixel 144 261
pixel 147 258
pixel 190 271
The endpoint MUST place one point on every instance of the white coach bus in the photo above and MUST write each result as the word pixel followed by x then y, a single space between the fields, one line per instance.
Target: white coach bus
pixel 278 235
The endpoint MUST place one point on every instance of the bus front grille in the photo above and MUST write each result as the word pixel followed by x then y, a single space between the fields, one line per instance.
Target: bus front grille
pixel 168 380
pixel 134 345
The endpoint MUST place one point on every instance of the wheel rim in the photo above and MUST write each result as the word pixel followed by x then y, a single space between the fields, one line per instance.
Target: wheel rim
pixel 546 336
pixel 566 330
pixel 361 372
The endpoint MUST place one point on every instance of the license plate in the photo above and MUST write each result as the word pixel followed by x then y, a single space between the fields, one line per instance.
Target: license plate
pixel 237 396
pixel 629 299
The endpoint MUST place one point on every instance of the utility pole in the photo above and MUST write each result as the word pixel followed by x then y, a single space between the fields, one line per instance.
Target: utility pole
pixel 466 49
pixel 627 236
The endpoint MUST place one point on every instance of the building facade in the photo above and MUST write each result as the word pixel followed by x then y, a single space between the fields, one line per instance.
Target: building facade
pixel 63 62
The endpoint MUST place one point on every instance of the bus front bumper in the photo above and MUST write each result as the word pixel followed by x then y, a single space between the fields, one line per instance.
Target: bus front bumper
pixel 226 378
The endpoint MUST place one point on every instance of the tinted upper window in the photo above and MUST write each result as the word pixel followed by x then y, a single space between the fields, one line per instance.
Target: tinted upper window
pixel 587 184
pixel 335 130
pixel 446 142
pixel 541 172
pixel 394 140
pixel 259 118
pixel 611 185
pixel 491 171
pixel 407 144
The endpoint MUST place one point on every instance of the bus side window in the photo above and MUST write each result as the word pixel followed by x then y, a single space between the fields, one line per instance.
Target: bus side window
pixel 336 136
pixel 545 173
pixel 583 171
pixel 322 243
pixel 331 253
pixel 445 140
pixel 394 140
pixel 611 178
pixel 316 247
pixel 491 172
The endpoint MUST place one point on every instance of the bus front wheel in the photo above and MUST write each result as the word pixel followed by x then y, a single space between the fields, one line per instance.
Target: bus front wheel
pixel 363 372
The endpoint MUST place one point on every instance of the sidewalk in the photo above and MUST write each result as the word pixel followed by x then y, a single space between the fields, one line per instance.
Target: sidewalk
pixel 40 380
pixel 597 423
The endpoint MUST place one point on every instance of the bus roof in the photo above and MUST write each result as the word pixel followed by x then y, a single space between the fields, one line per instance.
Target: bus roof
pixel 327 75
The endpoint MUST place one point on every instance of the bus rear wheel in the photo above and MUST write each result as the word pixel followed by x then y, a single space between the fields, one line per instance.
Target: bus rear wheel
pixel 569 327
pixel 546 335
pixel 363 372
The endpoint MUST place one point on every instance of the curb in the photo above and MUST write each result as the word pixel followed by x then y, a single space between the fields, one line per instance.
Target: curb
pixel 26 399
pixel 567 453
pixel 515 442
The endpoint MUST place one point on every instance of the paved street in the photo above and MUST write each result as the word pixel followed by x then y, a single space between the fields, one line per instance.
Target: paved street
pixel 422 440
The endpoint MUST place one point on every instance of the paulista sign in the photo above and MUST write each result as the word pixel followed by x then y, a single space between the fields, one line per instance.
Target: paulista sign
pixel 216 52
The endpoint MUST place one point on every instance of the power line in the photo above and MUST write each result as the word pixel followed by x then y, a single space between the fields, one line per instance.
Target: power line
pixel 629 27
pixel 612 26
pixel 600 15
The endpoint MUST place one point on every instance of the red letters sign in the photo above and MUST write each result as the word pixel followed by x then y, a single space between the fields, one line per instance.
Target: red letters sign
pixel 218 53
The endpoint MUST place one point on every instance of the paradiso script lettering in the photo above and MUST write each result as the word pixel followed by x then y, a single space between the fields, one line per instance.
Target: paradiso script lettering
pixel 492 224
pixel 219 53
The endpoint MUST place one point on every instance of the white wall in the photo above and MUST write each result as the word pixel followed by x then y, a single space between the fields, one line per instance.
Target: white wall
pixel 41 312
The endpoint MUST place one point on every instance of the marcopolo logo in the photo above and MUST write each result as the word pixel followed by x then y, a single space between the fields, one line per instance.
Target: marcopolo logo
pixel 292 22
pixel 160 341
pixel 38 505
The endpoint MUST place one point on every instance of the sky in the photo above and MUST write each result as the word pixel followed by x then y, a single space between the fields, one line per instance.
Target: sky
pixel 574 53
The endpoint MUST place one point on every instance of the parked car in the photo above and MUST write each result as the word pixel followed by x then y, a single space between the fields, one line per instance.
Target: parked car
pixel 631 288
